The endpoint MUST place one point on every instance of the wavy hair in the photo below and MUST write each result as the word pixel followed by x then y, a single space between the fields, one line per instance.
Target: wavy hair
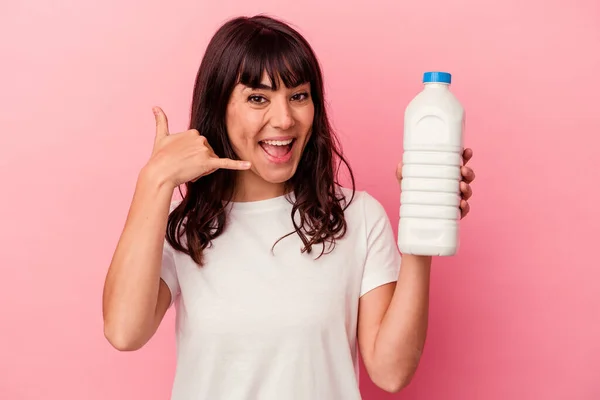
pixel 241 51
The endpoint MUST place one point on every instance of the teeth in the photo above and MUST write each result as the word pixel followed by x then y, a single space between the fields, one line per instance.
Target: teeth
pixel 278 142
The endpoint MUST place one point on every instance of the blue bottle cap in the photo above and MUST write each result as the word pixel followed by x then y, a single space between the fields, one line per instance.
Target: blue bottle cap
pixel 437 77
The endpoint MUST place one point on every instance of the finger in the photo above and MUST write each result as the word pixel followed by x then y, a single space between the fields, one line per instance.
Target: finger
pixel 464 209
pixel 468 174
pixel 205 143
pixel 466 190
pixel 227 163
pixel 399 172
pixel 162 124
pixel 467 155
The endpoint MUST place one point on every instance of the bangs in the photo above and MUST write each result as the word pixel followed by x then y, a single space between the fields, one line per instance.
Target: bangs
pixel 279 56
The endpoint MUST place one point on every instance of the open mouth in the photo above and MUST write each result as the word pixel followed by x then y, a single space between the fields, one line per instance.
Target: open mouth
pixel 278 150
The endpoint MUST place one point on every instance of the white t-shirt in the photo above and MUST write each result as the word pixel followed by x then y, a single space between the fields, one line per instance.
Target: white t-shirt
pixel 252 324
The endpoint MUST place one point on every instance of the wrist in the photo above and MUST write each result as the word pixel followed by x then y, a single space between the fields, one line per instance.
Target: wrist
pixel 153 175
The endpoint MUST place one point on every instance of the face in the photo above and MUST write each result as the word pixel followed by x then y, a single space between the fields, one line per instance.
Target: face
pixel 270 128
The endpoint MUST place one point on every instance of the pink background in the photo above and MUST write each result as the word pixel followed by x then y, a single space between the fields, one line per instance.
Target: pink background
pixel 515 315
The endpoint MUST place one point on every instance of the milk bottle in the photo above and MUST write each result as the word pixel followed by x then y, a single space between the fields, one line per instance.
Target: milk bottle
pixel 432 158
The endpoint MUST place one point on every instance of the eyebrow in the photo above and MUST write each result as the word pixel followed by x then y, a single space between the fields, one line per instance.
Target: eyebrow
pixel 263 86
pixel 259 86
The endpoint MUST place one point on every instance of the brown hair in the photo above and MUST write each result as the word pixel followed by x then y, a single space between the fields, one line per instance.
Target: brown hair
pixel 240 52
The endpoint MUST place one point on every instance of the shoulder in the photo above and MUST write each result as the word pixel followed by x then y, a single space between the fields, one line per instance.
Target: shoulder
pixel 369 225
pixel 362 204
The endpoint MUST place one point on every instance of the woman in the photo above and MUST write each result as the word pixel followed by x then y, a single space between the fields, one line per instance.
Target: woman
pixel 282 276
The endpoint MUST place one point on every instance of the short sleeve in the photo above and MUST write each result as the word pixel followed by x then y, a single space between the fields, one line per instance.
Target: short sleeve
pixel 382 262
pixel 168 271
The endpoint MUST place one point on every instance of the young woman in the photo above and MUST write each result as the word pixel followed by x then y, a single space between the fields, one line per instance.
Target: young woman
pixel 279 275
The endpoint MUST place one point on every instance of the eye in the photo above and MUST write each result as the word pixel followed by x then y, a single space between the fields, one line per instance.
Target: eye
pixel 300 96
pixel 256 99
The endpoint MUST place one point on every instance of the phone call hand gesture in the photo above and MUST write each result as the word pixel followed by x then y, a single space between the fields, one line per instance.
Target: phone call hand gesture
pixel 185 156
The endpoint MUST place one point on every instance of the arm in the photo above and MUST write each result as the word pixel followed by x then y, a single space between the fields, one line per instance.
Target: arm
pixel 392 325
pixel 393 318
pixel 135 299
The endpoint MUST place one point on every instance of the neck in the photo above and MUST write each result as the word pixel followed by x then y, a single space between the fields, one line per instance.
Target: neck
pixel 436 85
pixel 251 187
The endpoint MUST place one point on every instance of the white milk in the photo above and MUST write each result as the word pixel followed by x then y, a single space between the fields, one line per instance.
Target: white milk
pixel 430 191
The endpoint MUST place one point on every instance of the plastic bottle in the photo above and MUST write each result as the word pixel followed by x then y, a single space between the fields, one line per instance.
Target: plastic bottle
pixel 430 190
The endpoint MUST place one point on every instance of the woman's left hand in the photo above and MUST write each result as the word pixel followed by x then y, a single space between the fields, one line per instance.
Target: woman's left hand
pixel 465 185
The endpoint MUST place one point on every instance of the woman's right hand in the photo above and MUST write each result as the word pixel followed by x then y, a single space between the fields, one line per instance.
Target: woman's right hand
pixel 186 156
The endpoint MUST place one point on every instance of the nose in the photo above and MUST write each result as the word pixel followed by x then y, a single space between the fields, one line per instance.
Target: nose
pixel 281 115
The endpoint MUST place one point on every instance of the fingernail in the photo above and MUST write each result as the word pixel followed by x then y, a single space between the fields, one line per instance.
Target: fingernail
pixel 246 164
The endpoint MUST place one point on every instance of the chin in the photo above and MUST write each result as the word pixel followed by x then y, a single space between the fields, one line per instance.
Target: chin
pixel 276 175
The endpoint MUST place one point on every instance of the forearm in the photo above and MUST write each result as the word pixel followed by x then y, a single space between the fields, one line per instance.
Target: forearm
pixel 401 335
pixel 132 282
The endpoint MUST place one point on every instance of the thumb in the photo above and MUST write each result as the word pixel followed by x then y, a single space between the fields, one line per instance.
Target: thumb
pixel 162 124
